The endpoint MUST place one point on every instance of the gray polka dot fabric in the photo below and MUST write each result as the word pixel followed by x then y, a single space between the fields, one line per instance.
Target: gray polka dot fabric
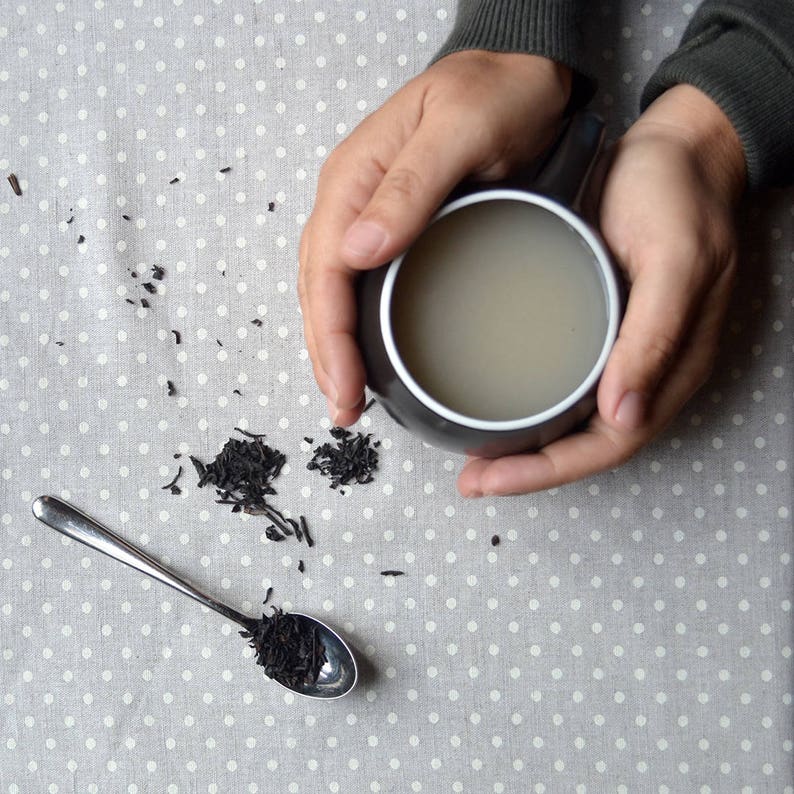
pixel 630 633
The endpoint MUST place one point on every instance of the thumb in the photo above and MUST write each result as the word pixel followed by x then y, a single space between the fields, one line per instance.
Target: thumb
pixel 656 320
pixel 425 170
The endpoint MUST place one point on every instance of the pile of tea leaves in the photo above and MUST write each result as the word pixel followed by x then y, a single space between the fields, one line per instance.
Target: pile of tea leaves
pixel 242 472
pixel 288 652
pixel 352 459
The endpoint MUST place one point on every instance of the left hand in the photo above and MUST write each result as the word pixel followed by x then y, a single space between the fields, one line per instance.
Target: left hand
pixel 666 212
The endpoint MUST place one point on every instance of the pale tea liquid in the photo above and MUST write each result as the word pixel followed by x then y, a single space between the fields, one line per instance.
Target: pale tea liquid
pixel 498 310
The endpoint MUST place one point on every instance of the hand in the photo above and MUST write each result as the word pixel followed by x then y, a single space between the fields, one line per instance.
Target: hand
pixel 472 113
pixel 666 213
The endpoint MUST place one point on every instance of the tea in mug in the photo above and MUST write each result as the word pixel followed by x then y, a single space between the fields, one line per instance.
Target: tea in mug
pixel 498 310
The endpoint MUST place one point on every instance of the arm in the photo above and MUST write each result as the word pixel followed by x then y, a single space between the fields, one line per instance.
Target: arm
pixel 741 55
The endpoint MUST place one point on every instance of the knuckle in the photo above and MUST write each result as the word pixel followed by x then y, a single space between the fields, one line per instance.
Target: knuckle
pixel 402 183
pixel 659 351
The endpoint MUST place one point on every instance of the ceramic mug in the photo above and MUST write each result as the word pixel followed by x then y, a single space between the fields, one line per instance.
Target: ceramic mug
pixel 556 187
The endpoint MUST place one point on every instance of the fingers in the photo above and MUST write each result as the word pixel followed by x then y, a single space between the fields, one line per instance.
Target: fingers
pixel 660 304
pixel 566 460
pixel 425 170
pixel 603 446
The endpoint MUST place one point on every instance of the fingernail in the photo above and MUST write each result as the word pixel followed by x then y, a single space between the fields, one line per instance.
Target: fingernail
pixel 333 411
pixel 363 239
pixel 631 410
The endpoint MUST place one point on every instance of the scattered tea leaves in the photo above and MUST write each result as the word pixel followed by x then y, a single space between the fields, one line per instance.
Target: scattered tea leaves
pixel 287 648
pixel 268 593
pixel 177 336
pixel 144 303
pixel 81 239
pixel 352 459
pixel 130 300
pixel 174 180
pixel 149 287
pixel 171 388
pixel 14 182
pixel 126 217
pixel 158 272
pixel 237 392
pixel 301 566
pixel 271 206
pixel 257 322
pixel 392 573
pixel 368 405
pixel 225 169
pixel 496 540
pixel 71 220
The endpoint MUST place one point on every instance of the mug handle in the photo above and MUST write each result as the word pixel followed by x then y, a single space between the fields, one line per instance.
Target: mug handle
pixel 567 165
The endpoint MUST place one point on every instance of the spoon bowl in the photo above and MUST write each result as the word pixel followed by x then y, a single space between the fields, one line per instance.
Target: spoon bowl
pixel 337 676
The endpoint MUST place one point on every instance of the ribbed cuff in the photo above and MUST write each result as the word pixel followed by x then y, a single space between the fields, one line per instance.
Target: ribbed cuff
pixel 550 28
pixel 753 86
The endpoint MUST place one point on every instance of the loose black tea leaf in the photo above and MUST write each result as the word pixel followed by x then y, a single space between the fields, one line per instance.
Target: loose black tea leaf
pixel 176 490
pixel 171 388
pixel 130 300
pixel 70 220
pixel 133 274
pixel 144 303
pixel 301 566
pixel 14 182
pixel 249 434
pixel 308 440
pixel 257 322
pixel 158 272
pixel 287 648
pixel 368 405
pixel 60 344
pixel 174 481
pixel 126 217
pixel 149 287
pixel 271 206
pixel 177 455
pixel 220 344
pixel 237 391
pixel 81 239
pixel 496 540
pixel 392 573
pixel 352 459
pixel 271 533
pixel 225 169
pixel 177 336
pixel 305 529
pixel 268 593
pixel 174 180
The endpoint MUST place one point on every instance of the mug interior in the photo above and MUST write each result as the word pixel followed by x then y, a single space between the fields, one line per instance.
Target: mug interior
pixel 605 278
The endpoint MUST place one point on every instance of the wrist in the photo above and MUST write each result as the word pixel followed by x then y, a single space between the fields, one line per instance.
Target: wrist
pixel 530 70
pixel 695 120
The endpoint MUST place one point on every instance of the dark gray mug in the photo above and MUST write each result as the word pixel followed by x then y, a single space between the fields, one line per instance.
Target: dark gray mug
pixel 556 187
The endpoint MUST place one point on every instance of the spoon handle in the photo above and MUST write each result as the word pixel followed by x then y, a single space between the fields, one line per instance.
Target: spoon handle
pixel 75 524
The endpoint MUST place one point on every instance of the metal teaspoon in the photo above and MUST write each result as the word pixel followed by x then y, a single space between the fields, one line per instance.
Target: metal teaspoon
pixel 337 676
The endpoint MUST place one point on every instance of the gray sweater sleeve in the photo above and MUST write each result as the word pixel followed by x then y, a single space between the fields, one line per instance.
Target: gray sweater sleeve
pixel 550 28
pixel 741 53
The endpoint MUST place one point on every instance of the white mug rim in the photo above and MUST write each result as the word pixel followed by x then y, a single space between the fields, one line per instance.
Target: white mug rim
pixel 612 293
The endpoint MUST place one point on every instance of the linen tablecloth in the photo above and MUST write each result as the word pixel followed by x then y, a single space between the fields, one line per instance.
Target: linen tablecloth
pixel 630 633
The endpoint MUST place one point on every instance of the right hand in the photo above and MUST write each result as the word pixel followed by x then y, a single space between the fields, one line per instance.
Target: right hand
pixel 472 113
